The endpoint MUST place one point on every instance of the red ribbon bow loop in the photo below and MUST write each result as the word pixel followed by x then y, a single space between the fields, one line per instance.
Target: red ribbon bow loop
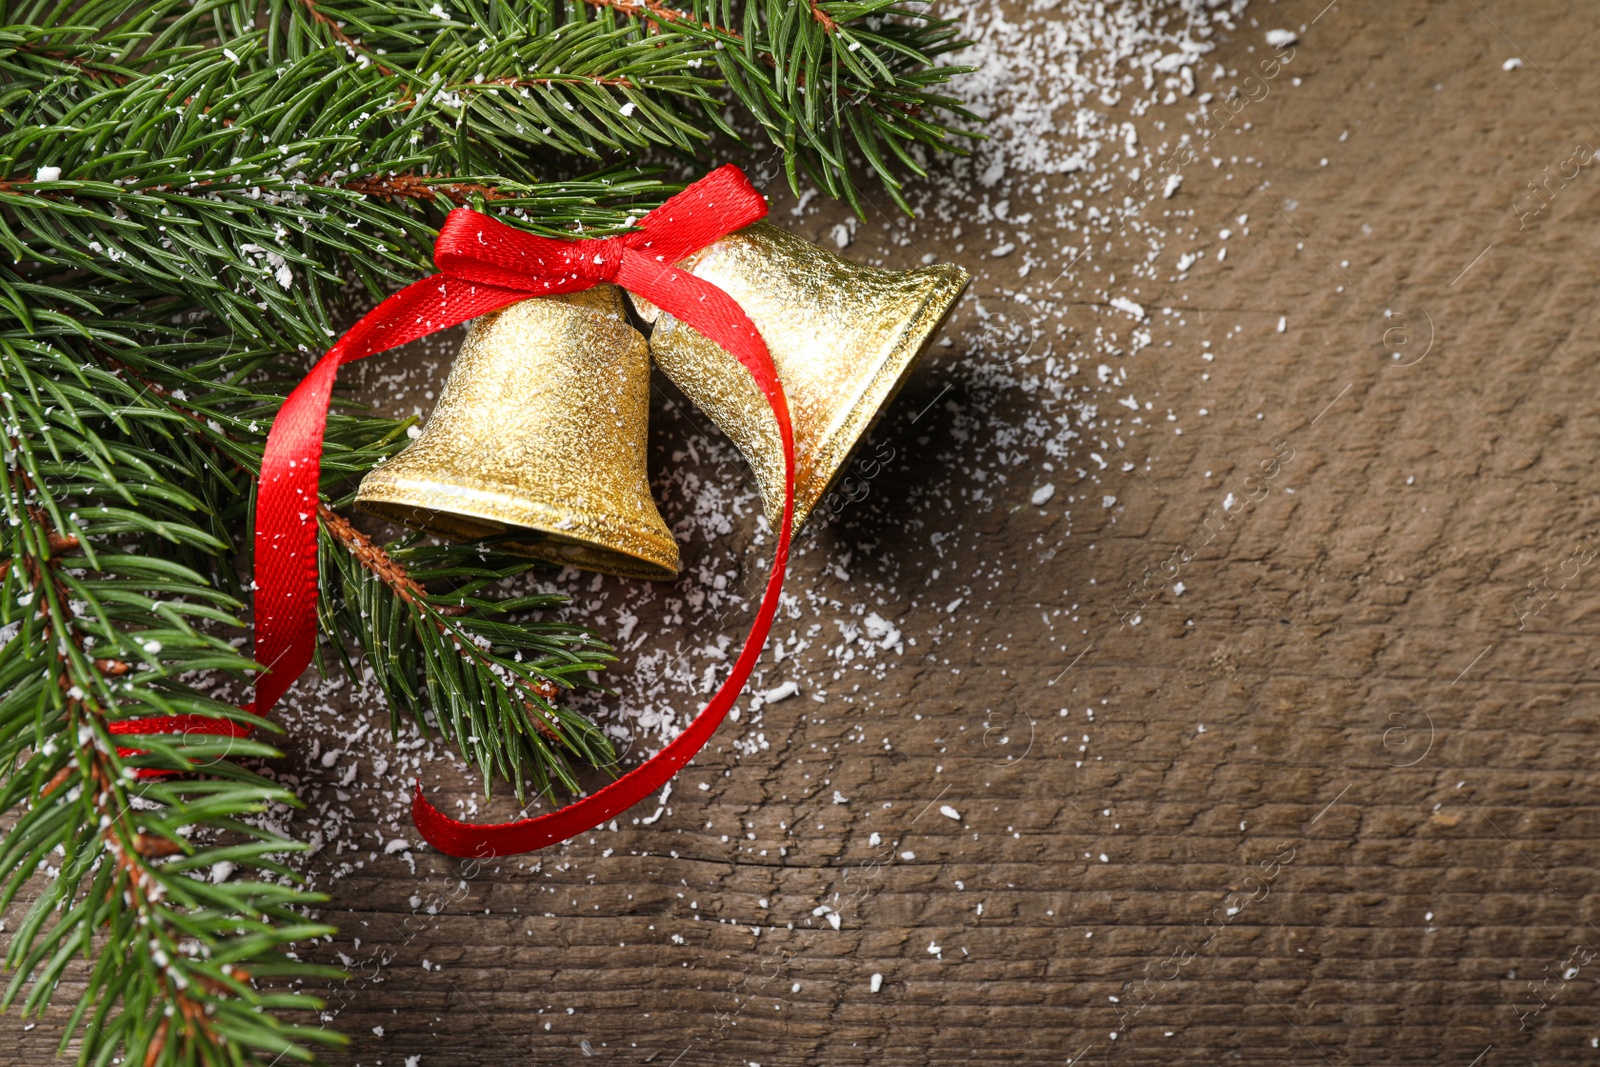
pixel 486 265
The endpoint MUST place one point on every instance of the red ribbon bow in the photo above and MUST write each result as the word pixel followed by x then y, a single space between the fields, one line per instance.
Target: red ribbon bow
pixel 485 265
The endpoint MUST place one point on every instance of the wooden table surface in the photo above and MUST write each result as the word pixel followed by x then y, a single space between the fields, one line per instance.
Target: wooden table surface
pixel 1331 802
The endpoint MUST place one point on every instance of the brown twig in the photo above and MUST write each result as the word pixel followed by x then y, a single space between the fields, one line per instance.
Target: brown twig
pixel 653 9
pixel 60 544
pixel 371 556
pixel 415 187
pixel 565 79
pixel 380 186
pixel 55 782
pixel 394 574
pixel 641 7
pixel 658 12
pixel 151 847
pixel 158 1043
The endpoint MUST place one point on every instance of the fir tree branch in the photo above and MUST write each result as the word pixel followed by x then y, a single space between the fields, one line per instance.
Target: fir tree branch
pixel 375 559
pixel 866 70
pixel 489 685
pixel 858 76
pixel 178 976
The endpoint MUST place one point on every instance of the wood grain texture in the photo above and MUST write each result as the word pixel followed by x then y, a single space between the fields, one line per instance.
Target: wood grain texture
pixel 1394 787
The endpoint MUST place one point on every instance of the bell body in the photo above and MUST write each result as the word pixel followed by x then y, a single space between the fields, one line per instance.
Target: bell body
pixel 843 338
pixel 539 433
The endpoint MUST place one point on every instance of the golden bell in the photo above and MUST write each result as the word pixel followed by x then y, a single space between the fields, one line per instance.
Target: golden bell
pixel 843 339
pixel 539 433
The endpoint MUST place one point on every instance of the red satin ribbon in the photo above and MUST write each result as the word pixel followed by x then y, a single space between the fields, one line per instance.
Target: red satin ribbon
pixel 485 265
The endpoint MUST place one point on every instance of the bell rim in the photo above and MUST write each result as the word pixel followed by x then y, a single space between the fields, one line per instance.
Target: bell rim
pixel 646 554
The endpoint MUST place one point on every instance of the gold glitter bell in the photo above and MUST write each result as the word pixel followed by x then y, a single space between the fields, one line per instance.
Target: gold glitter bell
pixel 539 433
pixel 843 338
